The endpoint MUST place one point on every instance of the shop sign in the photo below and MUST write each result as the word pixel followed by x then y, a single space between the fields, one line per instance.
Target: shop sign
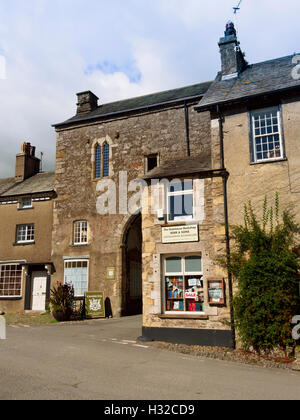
pixel 94 305
pixel 191 295
pixel 180 234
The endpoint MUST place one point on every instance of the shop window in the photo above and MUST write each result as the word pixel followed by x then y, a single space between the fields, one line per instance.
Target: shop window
pixel 81 233
pixel 10 281
pixel 267 138
pixel 184 288
pixel 180 201
pixel 25 234
pixel 76 274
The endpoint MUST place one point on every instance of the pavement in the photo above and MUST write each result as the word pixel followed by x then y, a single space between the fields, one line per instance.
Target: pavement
pixel 102 360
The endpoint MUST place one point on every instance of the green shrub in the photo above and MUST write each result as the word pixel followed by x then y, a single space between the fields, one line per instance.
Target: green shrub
pixel 266 268
pixel 62 298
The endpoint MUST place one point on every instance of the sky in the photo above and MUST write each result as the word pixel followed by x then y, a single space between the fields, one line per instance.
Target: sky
pixel 118 49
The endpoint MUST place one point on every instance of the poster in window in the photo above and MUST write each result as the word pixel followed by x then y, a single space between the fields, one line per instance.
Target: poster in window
pixel 216 291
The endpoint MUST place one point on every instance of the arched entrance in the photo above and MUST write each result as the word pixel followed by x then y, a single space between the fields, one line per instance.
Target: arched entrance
pixel 132 268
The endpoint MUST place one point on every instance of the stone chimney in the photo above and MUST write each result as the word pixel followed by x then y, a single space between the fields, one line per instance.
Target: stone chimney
pixel 233 62
pixel 27 164
pixel 87 102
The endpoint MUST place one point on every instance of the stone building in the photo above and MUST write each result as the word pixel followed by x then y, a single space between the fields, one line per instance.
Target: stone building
pixel 26 209
pixel 200 153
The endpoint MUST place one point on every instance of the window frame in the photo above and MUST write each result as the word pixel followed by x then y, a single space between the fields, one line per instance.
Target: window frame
pixel 79 260
pixel 184 274
pixel 26 241
pixel 25 207
pixel 6 297
pixel 80 222
pixel 169 194
pixel 253 136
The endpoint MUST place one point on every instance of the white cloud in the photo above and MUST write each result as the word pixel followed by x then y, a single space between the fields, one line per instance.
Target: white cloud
pixel 50 44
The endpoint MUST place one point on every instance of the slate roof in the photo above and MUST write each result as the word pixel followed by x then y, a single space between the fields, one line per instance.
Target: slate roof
pixel 141 102
pixel 258 79
pixel 39 183
pixel 181 167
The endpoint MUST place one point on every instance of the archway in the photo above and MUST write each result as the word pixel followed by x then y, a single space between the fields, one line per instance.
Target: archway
pixel 132 293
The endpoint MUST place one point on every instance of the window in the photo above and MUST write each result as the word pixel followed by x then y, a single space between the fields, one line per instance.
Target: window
pixel 151 162
pixel 184 284
pixel 25 234
pixel 26 203
pixel 267 139
pixel 98 162
pixel 81 233
pixel 76 274
pixel 180 201
pixel 10 281
pixel 106 160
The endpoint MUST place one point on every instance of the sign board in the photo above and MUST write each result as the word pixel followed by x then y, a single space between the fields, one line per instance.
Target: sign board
pixel 216 291
pixel 94 305
pixel 180 234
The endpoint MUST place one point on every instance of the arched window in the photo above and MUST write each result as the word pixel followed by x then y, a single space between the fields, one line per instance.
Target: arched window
pixel 106 160
pixel 98 162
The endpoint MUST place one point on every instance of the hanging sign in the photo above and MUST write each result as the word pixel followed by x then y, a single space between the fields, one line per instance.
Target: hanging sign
pixel 180 234
pixel 94 305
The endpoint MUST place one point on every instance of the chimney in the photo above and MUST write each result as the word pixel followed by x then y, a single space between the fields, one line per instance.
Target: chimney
pixel 27 164
pixel 87 102
pixel 233 62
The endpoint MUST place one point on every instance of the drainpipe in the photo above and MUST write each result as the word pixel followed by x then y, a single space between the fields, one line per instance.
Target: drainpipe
pixel 187 129
pixel 226 217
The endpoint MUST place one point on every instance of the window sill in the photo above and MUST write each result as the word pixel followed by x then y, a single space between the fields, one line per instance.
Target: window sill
pixel 24 243
pixel 2 298
pixel 78 245
pixel 263 162
pixel 24 209
pixel 179 316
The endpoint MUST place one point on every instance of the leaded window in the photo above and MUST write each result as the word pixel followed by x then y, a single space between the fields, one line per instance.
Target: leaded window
pixel 81 233
pixel 98 161
pixel 25 233
pixel 76 274
pixel 106 160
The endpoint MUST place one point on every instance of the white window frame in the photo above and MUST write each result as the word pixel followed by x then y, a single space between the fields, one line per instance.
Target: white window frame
pixel 184 274
pixel 23 206
pixel 26 241
pixel 254 136
pixel 88 272
pixel 81 230
pixel 22 276
pixel 181 193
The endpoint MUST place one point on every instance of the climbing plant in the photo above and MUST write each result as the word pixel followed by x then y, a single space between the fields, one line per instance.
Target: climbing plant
pixel 266 267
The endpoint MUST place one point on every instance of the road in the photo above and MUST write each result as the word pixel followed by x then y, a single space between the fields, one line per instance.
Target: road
pixel 102 360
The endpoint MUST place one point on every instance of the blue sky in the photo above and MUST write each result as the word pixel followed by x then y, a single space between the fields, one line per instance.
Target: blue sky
pixel 117 49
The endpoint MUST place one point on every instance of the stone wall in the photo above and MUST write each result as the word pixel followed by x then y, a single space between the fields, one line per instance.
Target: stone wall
pixel 131 139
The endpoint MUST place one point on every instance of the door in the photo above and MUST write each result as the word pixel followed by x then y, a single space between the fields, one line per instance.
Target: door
pixel 39 291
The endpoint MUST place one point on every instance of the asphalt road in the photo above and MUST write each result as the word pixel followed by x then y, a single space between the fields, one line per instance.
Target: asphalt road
pixel 101 360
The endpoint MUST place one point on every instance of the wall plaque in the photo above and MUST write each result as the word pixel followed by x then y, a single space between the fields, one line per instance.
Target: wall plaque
pixel 111 273
pixel 94 305
pixel 179 234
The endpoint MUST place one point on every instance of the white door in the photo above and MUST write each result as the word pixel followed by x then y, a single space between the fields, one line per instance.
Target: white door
pixel 39 291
